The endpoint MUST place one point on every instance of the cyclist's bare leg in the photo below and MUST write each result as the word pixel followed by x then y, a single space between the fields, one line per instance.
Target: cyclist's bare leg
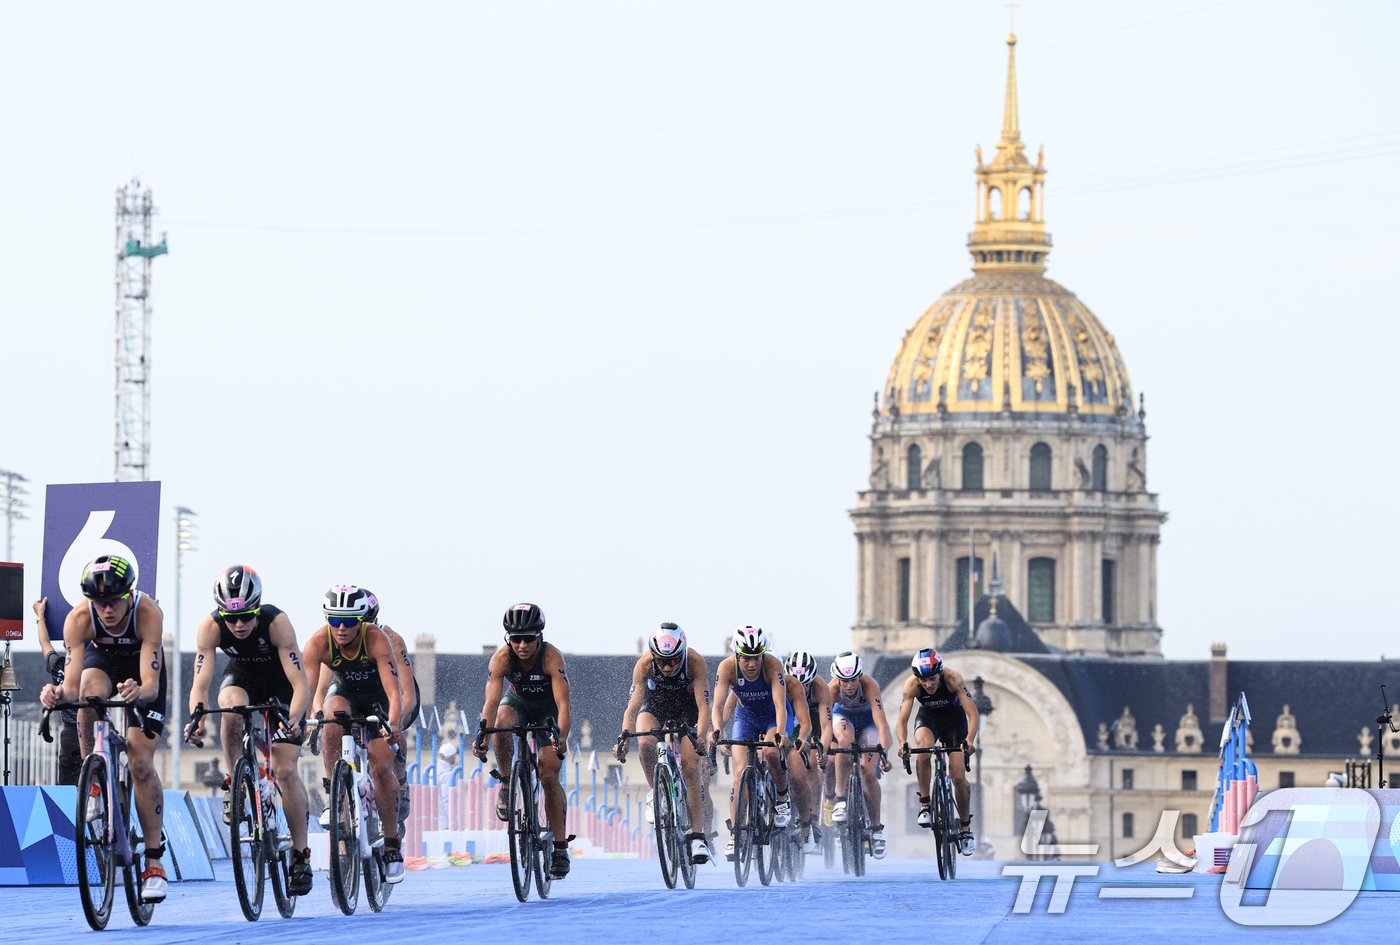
pixel 923 764
pixel 331 733
pixel 505 746
pixel 550 764
pixel 231 725
pixel 94 683
pixel 707 801
pixel 386 786
pixel 775 769
pixel 646 747
pixel 845 735
pixel 145 787
pixel 868 764
pixel 690 770
pixel 738 758
pixel 962 792
pixel 797 777
pixel 284 765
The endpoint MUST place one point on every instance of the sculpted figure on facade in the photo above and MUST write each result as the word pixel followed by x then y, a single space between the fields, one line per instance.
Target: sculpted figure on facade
pixel 1287 739
pixel 1189 737
pixel 1125 734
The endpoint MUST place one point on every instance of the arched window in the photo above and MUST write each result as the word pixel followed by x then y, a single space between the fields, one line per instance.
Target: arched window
pixel 914 468
pixel 1040 468
pixel 972 467
pixel 1040 602
pixel 1100 474
pixel 994 204
pixel 1025 203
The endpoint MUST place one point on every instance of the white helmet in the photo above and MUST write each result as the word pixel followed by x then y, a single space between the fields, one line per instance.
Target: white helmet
pixel 346 600
pixel 802 667
pixel 750 641
pixel 847 666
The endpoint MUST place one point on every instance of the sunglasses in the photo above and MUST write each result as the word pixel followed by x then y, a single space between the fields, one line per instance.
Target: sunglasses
pixel 522 637
pixel 240 616
pixel 343 623
pixel 667 660
pixel 111 599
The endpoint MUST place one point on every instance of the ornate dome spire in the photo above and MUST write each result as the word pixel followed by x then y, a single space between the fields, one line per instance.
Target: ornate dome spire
pixel 1010 232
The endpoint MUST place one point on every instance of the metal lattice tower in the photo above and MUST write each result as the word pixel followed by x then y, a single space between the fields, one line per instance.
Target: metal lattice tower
pixel 135 253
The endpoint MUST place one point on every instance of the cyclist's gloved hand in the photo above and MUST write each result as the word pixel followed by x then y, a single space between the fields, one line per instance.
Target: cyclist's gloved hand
pixel 885 765
pixel 969 748
pixel 620 750
pixel 904 751
pixel 560 749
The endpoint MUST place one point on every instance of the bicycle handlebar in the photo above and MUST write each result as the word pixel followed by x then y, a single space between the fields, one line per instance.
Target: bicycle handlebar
pixel 246 711
pixel 934 750
pixel 91 702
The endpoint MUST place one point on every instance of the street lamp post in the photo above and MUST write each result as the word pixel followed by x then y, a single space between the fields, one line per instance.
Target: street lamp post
pixel 12 504
pixel 984 709
pixel 184 541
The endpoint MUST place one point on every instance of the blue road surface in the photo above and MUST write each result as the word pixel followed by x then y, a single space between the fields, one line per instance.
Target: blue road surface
pixel 611 900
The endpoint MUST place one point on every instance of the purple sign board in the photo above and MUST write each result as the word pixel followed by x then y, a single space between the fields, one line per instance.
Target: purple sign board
pixel 83 521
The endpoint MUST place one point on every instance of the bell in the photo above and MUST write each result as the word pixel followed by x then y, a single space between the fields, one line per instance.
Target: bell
pixel 8 682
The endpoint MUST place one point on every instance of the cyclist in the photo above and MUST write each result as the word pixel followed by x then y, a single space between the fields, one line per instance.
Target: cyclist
pixel 671 683
pixel 756 678
pixel 948 716
pixel 364 681
pixel 410 697
pixel 802 670
pixel 859 716
pixel 114 648
pixel 539 690
pixel 264 665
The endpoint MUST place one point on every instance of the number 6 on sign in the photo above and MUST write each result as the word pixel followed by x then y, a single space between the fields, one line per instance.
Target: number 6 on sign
pixel 91 542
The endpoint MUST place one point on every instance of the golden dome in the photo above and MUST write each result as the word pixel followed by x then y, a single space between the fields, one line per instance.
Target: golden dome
pixel 1009 339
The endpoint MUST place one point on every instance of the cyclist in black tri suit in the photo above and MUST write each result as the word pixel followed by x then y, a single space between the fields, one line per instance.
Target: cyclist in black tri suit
pixel 802 670
pixel 112 642
pixel 672 683
pixel 539 690
pixel 947 715
pixel 410 697
pixel 365 681
pixel 264 665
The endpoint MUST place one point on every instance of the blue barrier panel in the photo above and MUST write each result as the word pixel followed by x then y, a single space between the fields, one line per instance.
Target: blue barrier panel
pixel 36 835
pixel 209 827
pixel 182 839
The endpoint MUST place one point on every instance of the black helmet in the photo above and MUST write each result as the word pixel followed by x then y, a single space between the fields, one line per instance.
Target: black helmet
pixel 371 615
pixel 108 575
pixel 524 618
pixel 238 589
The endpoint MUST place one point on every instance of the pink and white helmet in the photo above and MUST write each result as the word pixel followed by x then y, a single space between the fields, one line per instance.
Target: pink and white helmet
pixel 667 642
pixel 847 666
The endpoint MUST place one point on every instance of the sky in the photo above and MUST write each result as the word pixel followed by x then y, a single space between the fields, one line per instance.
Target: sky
pixel 585 303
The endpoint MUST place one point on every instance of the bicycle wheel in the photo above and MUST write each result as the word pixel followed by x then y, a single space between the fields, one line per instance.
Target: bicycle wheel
pixel 141 911
pixel 765 849
pixel 745 823
pixel 682 809
pixel 344 840
pixel 541 838
pixel 797 857
pixel 664 826
pixel 520 828
pixel 377 886
pixel 97 872
pixel 855 818
pixel 279 865
pixel 949 833
pixel 245 841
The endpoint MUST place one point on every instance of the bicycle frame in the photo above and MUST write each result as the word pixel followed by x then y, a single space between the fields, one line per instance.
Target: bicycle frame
pixel 539 842
pixel 668 757
pixel 943 807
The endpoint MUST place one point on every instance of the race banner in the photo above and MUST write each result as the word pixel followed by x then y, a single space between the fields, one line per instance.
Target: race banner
pixel 83 521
